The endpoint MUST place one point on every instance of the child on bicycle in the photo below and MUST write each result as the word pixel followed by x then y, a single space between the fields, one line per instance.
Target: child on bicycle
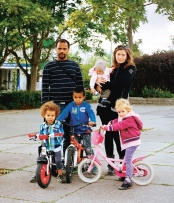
pixel 50 112
pixel 129 125
pixel 80 113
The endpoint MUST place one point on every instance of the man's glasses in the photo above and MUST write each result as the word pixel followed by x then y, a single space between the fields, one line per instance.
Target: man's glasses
pixel 122 47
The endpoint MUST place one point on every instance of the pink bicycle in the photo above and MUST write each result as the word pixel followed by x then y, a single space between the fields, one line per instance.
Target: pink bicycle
pixel 143 172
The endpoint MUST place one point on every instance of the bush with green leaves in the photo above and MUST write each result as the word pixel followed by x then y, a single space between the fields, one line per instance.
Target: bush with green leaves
pixel 156 93
pixel 88 95
pixel 154 72
pixel 20 100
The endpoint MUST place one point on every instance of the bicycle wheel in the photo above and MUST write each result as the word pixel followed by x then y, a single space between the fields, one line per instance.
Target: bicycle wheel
pixel 143 173
pixel 42 178
pixel 91 177
pixel 69 165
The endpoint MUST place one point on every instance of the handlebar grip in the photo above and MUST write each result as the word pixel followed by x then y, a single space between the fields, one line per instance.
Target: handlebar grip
pixel 58 134
pixel 31 135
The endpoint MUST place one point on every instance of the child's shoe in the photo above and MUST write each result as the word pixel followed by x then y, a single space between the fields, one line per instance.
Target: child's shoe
pixel 61 179
pixel 94 170
pixel 33 179
pixel 126 184
pixel 105 102
pixel 110 170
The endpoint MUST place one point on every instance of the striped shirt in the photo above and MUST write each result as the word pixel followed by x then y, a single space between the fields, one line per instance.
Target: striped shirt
pixel 57 86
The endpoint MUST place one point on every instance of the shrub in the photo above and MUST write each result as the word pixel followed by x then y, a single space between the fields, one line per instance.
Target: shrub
pixel 155 71
pixel 20 100
pixel 88 95
pixel 156 93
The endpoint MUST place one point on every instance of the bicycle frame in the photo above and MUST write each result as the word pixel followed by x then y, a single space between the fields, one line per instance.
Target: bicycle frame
pixel 77 150
pixel 119 170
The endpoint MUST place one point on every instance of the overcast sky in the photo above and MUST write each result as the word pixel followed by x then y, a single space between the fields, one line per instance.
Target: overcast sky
pixel 156 33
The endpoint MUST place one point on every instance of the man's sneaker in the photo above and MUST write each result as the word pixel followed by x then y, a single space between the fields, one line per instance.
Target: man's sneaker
pixel 61 179
pixel 33 179
pixel 75 170
pixel 94 170
pixel 105 102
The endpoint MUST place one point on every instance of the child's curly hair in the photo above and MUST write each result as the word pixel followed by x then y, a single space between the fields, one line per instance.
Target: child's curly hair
pixel 49 106
pixel 123 103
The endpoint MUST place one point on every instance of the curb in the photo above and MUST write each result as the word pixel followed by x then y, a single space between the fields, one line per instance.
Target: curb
pixel 147 101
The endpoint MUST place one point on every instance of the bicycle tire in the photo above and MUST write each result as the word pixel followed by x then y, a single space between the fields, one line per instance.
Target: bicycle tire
pixel 69 165
pixel 147 173
pixel 84 175
pixel 43 180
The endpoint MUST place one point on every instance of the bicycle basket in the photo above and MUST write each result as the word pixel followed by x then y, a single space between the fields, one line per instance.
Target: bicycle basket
pixel 97 137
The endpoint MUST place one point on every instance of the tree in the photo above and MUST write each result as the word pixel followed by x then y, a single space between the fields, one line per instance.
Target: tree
pixel 28 23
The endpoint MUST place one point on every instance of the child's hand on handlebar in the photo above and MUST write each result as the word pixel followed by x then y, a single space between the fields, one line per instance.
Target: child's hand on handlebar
pixel 90 123
pixel 104 127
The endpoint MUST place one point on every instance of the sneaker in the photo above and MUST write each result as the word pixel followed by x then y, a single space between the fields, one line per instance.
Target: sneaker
pixel 61 179
pixel 105 102
pixel 33 179
pixel 125 186
pixel 75 170
pixel 94 170
pixel 110 170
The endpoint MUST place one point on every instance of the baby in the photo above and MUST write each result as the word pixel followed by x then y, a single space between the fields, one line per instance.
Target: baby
pixel 100 70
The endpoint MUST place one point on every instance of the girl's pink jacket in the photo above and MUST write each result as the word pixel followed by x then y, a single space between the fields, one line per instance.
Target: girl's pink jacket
pixel 130 127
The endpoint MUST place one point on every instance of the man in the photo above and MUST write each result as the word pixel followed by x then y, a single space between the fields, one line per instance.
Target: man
pixel 59 79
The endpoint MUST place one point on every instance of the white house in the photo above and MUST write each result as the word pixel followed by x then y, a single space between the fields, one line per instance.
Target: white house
pixel 7 71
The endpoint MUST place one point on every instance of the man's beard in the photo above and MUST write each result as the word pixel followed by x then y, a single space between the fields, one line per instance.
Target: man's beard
pixel 62 56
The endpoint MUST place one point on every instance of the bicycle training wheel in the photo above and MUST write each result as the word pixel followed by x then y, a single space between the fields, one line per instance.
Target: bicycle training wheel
pixel 42 178
pixel 69 165
pixel 143 173
pixel 91 177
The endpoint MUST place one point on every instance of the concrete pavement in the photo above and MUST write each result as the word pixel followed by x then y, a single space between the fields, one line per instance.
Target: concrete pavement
pixel 18 156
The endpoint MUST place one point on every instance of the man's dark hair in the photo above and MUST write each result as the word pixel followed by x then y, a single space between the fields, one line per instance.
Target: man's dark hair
pixel 63 41
pixel 79 90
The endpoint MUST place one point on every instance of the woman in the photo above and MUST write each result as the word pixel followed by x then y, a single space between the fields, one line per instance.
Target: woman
pixel 121 80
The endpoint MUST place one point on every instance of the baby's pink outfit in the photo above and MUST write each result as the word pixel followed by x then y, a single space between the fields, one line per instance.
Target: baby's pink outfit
pixel 94 75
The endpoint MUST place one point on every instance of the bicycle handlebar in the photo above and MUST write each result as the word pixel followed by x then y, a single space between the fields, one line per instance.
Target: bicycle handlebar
pixel 73 126
pixel 43 137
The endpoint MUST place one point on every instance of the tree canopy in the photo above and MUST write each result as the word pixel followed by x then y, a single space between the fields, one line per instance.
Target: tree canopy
pixel 30 28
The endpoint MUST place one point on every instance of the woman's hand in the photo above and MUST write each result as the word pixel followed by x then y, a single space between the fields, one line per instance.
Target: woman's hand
pixel 100 81
pixel 99 89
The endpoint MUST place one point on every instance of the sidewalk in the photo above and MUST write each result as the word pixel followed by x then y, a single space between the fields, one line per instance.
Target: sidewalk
pixel 18 156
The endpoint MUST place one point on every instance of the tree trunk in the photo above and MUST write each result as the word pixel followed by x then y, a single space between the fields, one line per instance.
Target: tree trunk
pixel 33 78
pixel 129 33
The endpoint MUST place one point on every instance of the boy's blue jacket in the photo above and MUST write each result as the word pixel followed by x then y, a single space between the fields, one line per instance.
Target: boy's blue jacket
pixel 78 115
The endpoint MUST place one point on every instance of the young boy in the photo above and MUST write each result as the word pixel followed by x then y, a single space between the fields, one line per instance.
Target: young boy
pixel 80 113
pixel 130 126
pixel 100 70
pixel 50 112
